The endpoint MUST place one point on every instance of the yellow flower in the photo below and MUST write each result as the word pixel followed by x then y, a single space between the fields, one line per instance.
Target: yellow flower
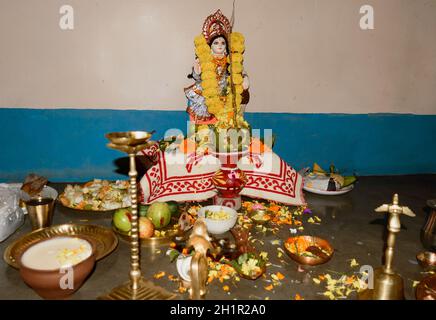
pixel 213 108
pixel 236 36
pixel 202 50
pixel 199 40
pixel 210 83
pixel 208 66
pixel 210 92
pixel 235 67
pixel 237 79
pixel 238 47
pixel 204 59
pixel 238 89
pixel 215 100
pixel 236 57
pixel 206 75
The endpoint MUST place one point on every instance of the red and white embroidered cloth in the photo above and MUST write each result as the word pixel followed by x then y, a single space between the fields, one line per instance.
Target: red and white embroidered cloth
pixel 180 177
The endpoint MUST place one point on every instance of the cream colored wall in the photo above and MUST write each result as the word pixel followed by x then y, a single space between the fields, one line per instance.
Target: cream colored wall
pixel 302 56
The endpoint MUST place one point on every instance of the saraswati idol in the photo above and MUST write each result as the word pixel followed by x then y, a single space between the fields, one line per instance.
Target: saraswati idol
pixel 220 80
pixel 216 103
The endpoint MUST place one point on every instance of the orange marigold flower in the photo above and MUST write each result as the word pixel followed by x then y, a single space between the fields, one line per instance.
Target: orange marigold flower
pixel 298 297
pixel 349 280
pixel 269 288
pixel 274 208
pixel 159 275
pixel 280 276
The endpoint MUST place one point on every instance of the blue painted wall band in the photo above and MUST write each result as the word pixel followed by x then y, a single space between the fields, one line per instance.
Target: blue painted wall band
pixel 69 144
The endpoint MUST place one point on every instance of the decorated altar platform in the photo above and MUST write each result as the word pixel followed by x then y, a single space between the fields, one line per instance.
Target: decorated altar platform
pixel 348 222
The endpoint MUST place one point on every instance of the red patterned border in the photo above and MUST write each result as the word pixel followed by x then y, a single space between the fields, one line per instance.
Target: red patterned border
pixel 284 183
pixel 161 185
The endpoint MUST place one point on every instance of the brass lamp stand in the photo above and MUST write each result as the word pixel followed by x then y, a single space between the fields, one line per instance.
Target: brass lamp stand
pixel 389 285
pixel 137 288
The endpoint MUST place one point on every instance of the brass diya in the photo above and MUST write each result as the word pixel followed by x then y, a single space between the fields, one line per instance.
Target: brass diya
pixel 298 253
pixel 237 265
pixel 130 138
pixel 252 276
pixel 427 260
pixel 137 288
pixel 256 215
pixel 103 239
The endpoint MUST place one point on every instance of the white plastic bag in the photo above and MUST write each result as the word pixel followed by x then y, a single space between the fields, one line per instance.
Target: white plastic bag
pixel 11 215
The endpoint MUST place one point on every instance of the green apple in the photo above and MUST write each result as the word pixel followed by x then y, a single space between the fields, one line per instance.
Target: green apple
pixel 160 214
pixel 143 208
pixel 122 219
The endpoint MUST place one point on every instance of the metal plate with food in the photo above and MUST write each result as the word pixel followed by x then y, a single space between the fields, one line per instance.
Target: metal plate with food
pixel 103 239
pixel 158 223
pixel 308 250
pixel 97 195
pixel 327 183
pixel 329 193
pixel 160 237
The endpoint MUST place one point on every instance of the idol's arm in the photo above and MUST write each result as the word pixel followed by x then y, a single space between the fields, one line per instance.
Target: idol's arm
pixel 245 86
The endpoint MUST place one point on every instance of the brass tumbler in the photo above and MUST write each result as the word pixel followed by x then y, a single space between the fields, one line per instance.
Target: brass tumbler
pixel 40 211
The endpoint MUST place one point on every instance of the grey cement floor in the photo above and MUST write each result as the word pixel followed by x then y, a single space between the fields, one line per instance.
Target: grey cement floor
pixel 348 222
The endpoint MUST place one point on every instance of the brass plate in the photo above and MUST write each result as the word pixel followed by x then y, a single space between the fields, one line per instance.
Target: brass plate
pixel 150 242
pixel 104 240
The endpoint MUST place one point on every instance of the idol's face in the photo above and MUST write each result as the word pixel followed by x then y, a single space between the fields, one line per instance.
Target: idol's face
pixel 219 46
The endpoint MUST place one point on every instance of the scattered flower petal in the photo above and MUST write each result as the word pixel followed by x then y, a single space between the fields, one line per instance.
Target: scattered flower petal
pixel 354 263
pixel 269 288
pixel 159 275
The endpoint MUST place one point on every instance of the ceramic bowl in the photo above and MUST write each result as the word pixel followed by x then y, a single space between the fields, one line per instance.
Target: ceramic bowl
pixel 57 283
pixel 219 226
pixel 183 264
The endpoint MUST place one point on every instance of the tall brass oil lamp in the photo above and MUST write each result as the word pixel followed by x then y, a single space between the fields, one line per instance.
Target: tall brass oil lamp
pixel 137 288
pixel 389 285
